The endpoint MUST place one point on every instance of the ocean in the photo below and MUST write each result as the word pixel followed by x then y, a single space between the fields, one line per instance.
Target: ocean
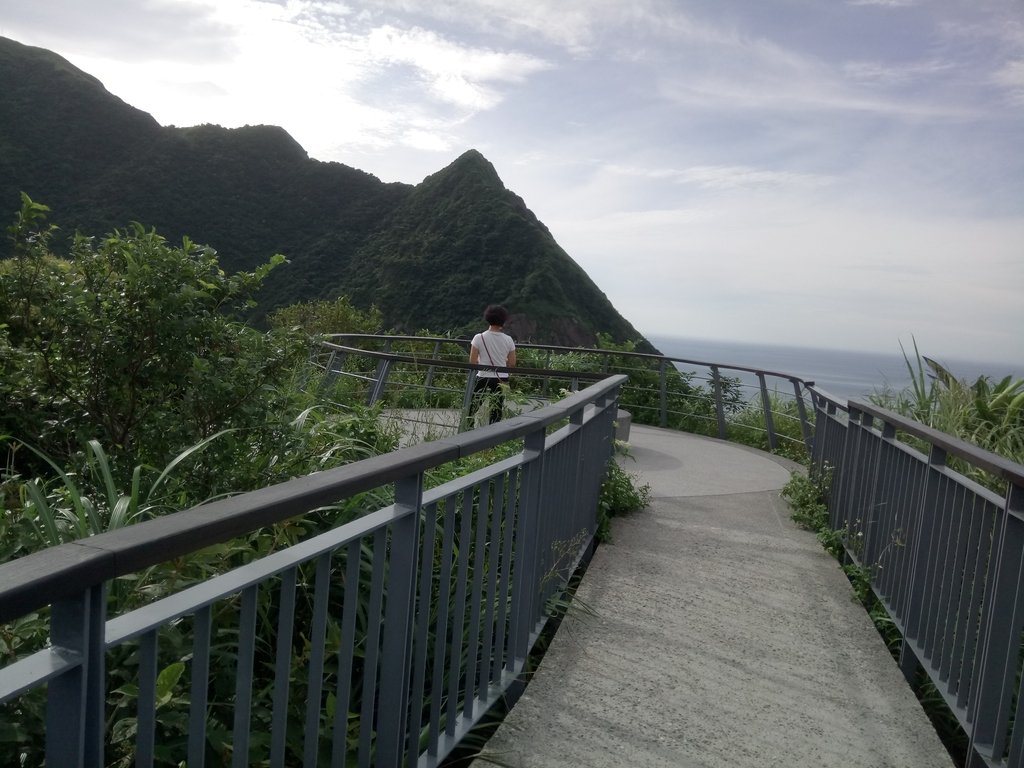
pixel 842 373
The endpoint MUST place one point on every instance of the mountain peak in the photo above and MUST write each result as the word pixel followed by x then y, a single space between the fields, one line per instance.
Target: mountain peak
pixel 470 168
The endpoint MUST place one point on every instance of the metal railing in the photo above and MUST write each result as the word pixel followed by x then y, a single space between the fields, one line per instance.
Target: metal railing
pixel 463 571
pixel 381 642
pixel 703 397
pixel 945 556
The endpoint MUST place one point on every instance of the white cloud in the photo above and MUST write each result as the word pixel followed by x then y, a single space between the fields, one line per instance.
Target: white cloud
pixel 454 73
pixel 805 173
pixel 896 74
pixel 885 3
pixel 1011 77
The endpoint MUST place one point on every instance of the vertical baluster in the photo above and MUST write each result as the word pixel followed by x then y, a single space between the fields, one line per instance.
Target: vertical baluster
pixel 317 655
pixel 145 716
pixel 482 509
pixel 493 569
pixel 343 696
pixel 421 640
pixel 282 667
pixel 74 699
pixel 508 512
pixel 444 597
pixel 393 711
pixel 201 628
pixel 525 576
pixel 243 682
pixel 374 618
pixel 458 643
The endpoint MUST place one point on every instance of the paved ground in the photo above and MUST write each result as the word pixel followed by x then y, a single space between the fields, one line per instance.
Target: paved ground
pixel 715 634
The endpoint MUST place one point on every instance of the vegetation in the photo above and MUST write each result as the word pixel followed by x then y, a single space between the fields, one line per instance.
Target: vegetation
pixel 133 388
pixel 621 494
pixel 749 426
pixel 987 413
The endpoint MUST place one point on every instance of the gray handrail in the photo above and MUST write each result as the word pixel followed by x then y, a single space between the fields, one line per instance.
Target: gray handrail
pixel 437 600
pixel 943 554
pixel 656 363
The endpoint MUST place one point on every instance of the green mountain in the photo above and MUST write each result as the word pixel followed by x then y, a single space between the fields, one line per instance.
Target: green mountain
pixel 429 255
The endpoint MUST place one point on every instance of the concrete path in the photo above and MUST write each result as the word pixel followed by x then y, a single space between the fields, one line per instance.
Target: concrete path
pixel 713 633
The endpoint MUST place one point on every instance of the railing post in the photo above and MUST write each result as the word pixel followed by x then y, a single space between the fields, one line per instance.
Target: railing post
pixel 545 386
pixel 766 403
pixel 467 402
pixel 393 710
pixel 805 427
pixel 525 581
pixel 75 699
pixel 663 391
pixel 430 369
pixel 716 384
pixel 377 392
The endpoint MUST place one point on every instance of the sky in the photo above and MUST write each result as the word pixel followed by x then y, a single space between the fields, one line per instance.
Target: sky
pixel 845 174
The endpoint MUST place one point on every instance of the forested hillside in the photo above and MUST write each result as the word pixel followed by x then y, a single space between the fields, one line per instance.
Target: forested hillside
pixel 427 256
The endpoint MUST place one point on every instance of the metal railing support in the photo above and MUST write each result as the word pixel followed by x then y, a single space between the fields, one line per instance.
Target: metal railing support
pixel 716 381
pixel 380 380
pixel 766 404
pixel 527 556
pixel 663 392
pixel 393 710
pixel 805 425
pixel 75 697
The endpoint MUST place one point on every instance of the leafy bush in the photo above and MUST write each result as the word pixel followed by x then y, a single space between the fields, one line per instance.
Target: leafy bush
pixel 808 499
pixel 621 493
pixel 749 426
pixel 325 317
pixel 130 342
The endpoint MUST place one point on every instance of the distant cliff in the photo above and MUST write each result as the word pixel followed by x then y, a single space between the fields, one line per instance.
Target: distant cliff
pixel 428 256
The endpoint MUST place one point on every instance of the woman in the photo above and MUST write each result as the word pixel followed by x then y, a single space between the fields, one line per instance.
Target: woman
pixel 496 349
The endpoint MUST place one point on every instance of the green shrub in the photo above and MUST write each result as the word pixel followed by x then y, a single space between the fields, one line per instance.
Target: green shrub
pixel 807 495
pixel 621 493
pixel 130 342
pixel 749 427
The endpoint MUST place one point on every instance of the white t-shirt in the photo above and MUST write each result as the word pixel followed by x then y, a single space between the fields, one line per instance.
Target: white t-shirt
pixel 494 347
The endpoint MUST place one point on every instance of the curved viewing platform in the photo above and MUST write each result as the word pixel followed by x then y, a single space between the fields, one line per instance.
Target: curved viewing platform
pixel 711 632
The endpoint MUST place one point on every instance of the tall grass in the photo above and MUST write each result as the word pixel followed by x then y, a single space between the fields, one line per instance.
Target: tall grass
pixel 986 413
pixel 749 426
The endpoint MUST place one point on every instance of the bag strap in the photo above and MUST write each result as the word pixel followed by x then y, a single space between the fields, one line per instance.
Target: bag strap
pixel 489 356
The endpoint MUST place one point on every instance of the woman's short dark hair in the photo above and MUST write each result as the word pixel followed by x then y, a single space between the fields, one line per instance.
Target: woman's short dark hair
pixel 495 314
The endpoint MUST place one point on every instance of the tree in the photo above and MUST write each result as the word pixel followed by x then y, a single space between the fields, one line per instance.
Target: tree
pixel 129 341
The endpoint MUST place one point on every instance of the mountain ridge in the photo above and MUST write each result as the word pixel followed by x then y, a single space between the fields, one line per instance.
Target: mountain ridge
pixel 429 255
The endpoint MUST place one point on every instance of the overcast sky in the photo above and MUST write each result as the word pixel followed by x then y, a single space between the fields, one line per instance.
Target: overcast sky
pixel 837 173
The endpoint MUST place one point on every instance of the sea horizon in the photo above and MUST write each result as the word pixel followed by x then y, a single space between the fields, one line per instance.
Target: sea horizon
pixel 841 373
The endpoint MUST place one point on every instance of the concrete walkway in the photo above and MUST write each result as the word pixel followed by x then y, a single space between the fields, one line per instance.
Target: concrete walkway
pixel 714 633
